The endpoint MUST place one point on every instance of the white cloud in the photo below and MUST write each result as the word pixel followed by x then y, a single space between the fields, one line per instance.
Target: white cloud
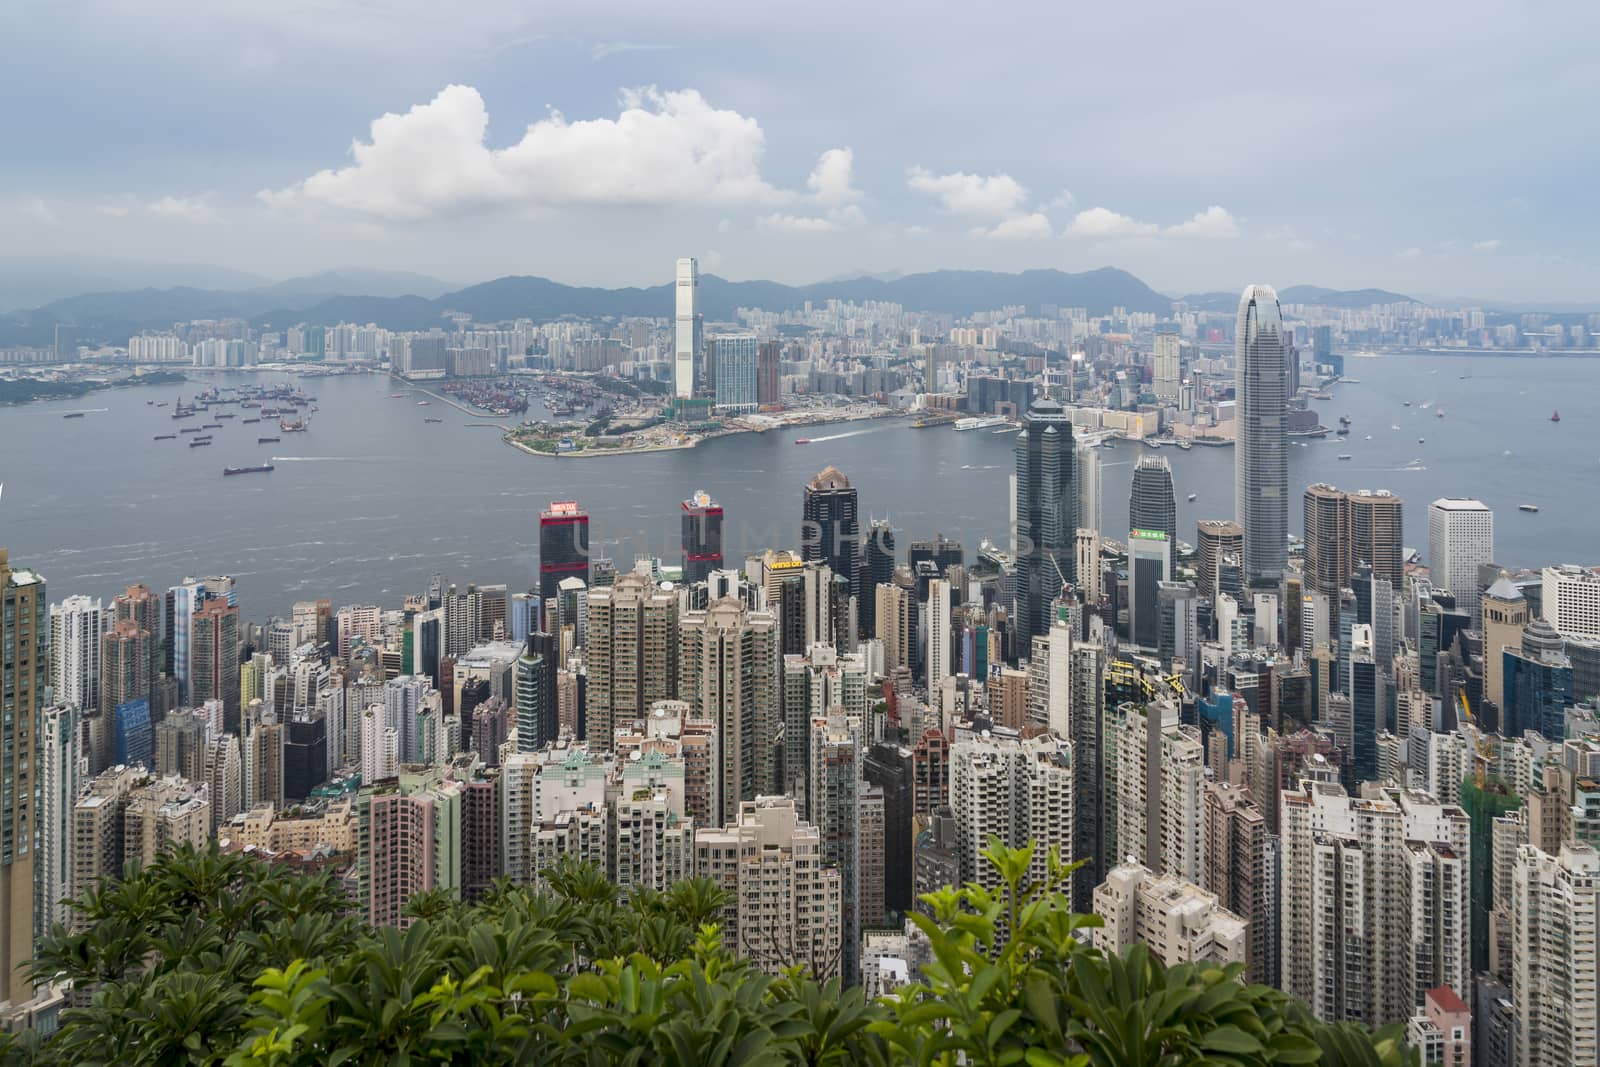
pixel 188 208
pixel 917 231
pixel 607 49
pixel 830 180
pixel 1491 245
pixel 1212 224
pixel 1020 228
pixel 992 198
pixel 1062 201
pixel 1103 224
pixel 40 211
pixel 115 210
pixel 1410 253
pixel 797 223
pixel 663 148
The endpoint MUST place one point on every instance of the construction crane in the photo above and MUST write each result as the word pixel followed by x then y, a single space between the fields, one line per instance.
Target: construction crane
pixel 1480 765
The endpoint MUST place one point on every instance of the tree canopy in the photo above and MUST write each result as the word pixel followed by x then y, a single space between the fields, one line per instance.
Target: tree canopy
pixel 211 958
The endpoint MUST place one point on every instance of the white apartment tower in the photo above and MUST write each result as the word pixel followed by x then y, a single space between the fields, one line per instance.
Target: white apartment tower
pixel 686 327
pixel 1555 909
pixel 1460 539
pixel 938 658
pixel 76 625
pixel 1570 603
pixel 1156 774
pixel 1179 921
pixel 1014 790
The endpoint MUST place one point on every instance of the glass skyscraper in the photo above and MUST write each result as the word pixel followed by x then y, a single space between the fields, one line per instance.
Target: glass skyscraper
pixel 1150 503
pixel 1261 462
pixel 1046 517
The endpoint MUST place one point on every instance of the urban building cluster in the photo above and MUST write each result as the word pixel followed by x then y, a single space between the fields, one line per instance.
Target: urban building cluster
pixel 1373 784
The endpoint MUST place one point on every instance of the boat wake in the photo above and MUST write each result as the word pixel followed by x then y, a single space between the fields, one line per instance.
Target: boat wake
pixel 838 436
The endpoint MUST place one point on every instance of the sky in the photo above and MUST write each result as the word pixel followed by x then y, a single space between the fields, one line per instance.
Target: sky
pixel 1442 149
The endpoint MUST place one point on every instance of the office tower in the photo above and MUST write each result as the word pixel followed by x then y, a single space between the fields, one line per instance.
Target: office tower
pixel 133 737
pixel 1322 346
pixel 124 676
pixel 728 673
pixel 1176 919
pixel 183 600
pixel 1327 556
pixel 1149 565
pixel 632 653
pixel 61 770
pixel 1442 1030
pixel 702 537
pixel 833 795
pixel 888 768
pixel 815 686
pixel 1375 525
pixel 736 360
pixel 1087 474
pixel 1261 467
pixel 1241 869
pixel 878 561
pixel 537 722
pixel 1158 769
pixel 563 546
pixel 942 552
pixel 24 665
pixel 1167 360
pixel 1016 790
pixel 1460 540
pixel 75 628
pixel 686 328
pixel 410 842
pixel 1505 617
pixel 1374 903
pixel 1046 516
pixel 527 616
pixel 1537 684
pixel 214 658
pixel 769 380
pixel 894 627
pixel 784 907
pixel 1570 600
pixel 1216 539
pixel 1150 503
pixel 305 756
pixel 938 651
pixel 830 533
pixel 1368 698
pixel 1555 916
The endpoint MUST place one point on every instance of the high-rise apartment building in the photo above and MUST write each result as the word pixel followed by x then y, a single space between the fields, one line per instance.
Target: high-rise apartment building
pixel 1570 600
pixel 1150 501
pixel 214 658
pixel 1374 900
pixel 76 624
pixel 1460 540
pixel 1555 955
pixel 833 805
pixel 686 327
pixel 1177 920
pixel 1159 772
pixel 1046 496
pixel 769 373
pixel 728 668
pixel 632 653
pixel 785 907
pixel 1016 790
pixel 24 667
pixel 410 841
pixel 1241 869
pixel 1167 366
pixel 563 546
pixel 937 619
pixel 702 537
pixel 62 769
pixel 815 686
pixel 830 532
pixel 1261 462
pixel 737 372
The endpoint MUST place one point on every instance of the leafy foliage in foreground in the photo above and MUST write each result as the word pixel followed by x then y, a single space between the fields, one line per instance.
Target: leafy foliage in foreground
pixel 214 959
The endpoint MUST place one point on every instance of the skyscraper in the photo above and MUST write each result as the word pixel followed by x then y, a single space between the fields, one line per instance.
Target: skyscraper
pixel 702 537
pixel 563 546
pixel 1218 538
pixel 1460 539
pixel 737 360
pixel 728 673
pixel 1167 360
pixel 1046 516
pixel 24 666
pixel 1555 937
pixel 61 769
pixel 1150 502
pixel 686 327
pixel 830 533
pixel 632 651
pixel 214 659
pixel 1149 565
pixel 75 628
pixel 877 569
pixel 768 373
pixel 1261 464
pixel 1344 529
pixel 938 616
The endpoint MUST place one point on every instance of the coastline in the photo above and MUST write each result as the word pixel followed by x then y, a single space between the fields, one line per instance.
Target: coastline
pixel 693 442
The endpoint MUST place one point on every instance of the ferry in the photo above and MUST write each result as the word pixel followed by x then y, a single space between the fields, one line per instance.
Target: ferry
pixel 432 420
pixel 1344 455
pixel 423 403
pixel 258 469
pixel 267 440
pixel 980 422
pixel 1527 507
pixel 73 415
pixel 802 440
pixel 1193 497
pixel 1184 446
pixel 1344 420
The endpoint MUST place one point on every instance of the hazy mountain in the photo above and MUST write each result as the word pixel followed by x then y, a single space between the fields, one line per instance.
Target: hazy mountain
pixel 28 281
pixel 358 281
pixel 1300 294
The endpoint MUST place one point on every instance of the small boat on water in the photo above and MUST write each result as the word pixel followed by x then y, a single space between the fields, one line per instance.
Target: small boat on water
pixel 1422 440
pixel 261 468
pixel 267 440
pixel 423 403
pixel 1344 455
pixel 73 415
pixel 247 422
pixel 802 440
pixel 432 420
pixel 1408 403
pixel 397 396
pixel 1193 497
pixel 1555 416
pixel 1439 413
pixel 1184 446
pixel 1527 507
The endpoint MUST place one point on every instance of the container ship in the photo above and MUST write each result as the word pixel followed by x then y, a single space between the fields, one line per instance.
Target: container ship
pixel 260 468
pixel 166 437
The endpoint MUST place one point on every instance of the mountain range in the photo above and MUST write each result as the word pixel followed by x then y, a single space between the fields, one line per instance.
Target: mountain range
pixel 413 302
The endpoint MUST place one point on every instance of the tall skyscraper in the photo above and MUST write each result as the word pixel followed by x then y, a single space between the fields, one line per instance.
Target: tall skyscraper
pixel 1460 540
pixel 563 546
pixel 1218 538
pixel 1149 565
pixel 138 604
pixel 831 533
pixel 737 360
pixel 1261 462
pixel 1555 940
pixel 769 376
pixel 938 654
pixel 24 666
pixel 1167 360
pixel 877 569
pixel 214 659
pixel 76 624
pixel 1150 502
pixel 1046 516
pixel 61 770
pixel 702 537
pixel 632 651
pixel 1344 529
pixel 686 327
pixel 728 673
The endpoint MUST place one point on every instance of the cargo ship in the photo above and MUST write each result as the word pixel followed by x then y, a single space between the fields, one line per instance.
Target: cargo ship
pixel 190 429
pixel 73 415
pixel 267 440
pixel 261 468
pixel 296 425
pixel 249 421
pixel 432 420
pixel 200 442
pixel 166 437
pixel 211 426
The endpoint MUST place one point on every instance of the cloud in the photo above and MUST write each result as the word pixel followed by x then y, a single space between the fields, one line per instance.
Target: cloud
pixel 917 231
pixel 663 148
pixel 830 181
pixel 1062 201
pixel 1020 228
pixel 40 211
pixel 187 208
pixel 1410 253
pixel 115 210
pixel 607 49
pixel 993 197
pixel 1212 224
pixel 1103 224
pixel 797 223
pixel 1491 245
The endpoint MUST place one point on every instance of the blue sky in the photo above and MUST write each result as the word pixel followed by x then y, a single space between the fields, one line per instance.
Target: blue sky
pixel 1437 148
